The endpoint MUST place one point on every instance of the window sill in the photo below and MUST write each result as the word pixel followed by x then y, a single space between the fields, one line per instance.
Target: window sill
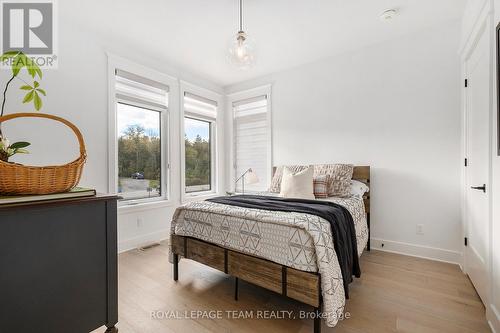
pixel 199 196
pixel 124 208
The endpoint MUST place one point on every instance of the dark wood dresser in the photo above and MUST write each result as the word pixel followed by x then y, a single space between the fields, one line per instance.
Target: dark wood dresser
pixel 58 265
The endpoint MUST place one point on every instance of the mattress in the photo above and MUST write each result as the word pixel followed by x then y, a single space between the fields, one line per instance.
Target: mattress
pixel 298 240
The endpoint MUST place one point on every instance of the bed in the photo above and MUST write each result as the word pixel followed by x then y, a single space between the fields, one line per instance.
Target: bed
pixel 274 250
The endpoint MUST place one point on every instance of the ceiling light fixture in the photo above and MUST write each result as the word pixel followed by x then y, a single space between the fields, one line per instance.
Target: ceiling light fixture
pixel 241 49
pixel 388 14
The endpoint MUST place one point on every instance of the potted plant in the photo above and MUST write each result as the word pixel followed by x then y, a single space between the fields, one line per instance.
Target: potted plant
pixel 18 179
pixel 17 60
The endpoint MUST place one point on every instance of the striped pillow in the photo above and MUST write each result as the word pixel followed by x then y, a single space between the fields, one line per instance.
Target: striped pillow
pixel 321 186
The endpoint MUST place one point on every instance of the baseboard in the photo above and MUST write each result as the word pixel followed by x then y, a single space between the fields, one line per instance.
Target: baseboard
pixel 133 243
pixel 408 249
pixel 493 316
pixel 415 250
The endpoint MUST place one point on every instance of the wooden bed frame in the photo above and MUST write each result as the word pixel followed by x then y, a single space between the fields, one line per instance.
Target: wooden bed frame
pixel 299 285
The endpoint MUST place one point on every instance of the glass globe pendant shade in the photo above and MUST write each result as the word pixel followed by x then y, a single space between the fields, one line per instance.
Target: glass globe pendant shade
pixel 241 51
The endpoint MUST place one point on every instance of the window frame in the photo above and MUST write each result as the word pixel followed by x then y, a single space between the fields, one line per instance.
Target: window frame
pixel 163 123
pixel 166 133
pixel 212 124
pixel 215 141
pixel 235 97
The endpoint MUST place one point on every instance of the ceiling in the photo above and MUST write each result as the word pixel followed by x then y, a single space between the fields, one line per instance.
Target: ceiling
pixel 195 34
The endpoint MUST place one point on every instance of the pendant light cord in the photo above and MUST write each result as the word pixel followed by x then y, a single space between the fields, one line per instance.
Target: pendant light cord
pixel 241 16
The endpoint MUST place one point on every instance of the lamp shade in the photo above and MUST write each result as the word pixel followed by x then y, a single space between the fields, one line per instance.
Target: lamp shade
pixel 251 177
pixel 242 51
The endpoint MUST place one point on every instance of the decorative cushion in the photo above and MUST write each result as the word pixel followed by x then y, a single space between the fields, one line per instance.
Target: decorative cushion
pixel 278 174
pixel 358 189
pixel 321 186
pixel 340 178
pixel 298 185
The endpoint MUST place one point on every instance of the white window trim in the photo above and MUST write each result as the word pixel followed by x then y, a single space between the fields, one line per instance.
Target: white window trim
pixel 237 96
pixel 216 140
pixel 168 128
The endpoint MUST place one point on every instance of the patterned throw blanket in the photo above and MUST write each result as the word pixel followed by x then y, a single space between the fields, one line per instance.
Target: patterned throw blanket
pixel 341 224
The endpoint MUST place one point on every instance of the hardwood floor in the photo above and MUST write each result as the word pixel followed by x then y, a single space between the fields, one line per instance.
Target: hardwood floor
pixel 395 294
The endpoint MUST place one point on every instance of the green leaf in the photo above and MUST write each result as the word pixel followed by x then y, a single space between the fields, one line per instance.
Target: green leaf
pixel 18 63
pixel 26 87
pixel 20 144
pixel 41 91
pixel 16 68
pixel 21 151
pixel 29 96
pixel 20 60
pixel 36 84
pixel 25 59
pixel 38 71
pixel 8 55
pixel 32 67
pixel 31 71
pixel 37 101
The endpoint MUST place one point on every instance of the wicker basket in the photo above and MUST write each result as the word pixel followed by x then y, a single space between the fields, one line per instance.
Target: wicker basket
pixel 17 179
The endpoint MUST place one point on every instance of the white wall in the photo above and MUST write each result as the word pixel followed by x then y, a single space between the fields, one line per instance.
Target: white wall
pixel 396 107
pixel 77 90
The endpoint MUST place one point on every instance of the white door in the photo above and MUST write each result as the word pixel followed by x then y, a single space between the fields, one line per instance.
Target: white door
pixel 477 172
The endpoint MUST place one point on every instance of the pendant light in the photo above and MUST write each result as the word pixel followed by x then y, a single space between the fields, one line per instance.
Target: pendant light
pixel 241 49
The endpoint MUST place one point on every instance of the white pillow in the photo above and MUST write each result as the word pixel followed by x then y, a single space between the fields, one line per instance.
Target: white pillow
pixel 299 185
pixel 358 189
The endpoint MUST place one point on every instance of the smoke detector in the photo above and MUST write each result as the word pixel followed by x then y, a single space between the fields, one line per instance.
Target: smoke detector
pixel 388 15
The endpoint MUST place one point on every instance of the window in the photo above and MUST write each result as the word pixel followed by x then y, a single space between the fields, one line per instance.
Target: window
pixel 141 106
pixel 252 141
pixel 199 162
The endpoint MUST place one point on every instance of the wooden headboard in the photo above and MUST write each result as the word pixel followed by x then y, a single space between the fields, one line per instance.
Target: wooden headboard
pixel 362 174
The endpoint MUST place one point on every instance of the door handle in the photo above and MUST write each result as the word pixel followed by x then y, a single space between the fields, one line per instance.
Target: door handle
pixel 481 188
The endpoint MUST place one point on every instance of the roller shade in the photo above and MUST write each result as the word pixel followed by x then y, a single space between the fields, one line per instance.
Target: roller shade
pixel 252 141
pixel 198 106
pixel 136 89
